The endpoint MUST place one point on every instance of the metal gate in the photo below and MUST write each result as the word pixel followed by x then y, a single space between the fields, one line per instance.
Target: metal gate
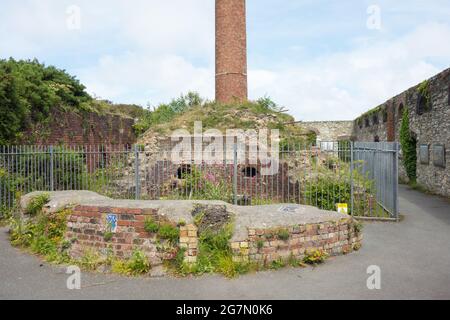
pixel 379 160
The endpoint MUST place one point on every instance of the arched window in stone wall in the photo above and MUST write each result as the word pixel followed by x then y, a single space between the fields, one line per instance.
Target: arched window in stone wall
pixel 367 122
pixel 375 118
pixel 376 139
pixel 423 104
pixel 385 115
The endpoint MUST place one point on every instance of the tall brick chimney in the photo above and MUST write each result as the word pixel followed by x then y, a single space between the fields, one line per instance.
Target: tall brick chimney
pixel 231 51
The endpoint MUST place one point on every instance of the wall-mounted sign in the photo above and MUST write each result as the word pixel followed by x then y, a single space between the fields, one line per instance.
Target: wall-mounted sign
pixel 342 208
pixel 424 154
pixel 439 155
pixel 111 220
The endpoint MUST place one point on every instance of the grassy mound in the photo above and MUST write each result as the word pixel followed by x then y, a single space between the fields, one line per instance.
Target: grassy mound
pixel 182 113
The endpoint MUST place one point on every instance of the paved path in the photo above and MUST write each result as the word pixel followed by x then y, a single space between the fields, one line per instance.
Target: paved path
pixel 414 258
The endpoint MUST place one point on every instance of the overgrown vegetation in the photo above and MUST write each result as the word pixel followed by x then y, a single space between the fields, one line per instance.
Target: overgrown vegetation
pixel 408 144
pixel 424 91
pixel 30 90
pixel 198 185
pixel 315 257
pixel 169 232
pixel 151 226
pixel 42 235
pixel 137 264
pixel 37 203
pixel 214 256
pixel 181 113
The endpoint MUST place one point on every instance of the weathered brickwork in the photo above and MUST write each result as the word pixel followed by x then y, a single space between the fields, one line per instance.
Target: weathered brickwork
pixel 189 242
pixel 431 128
pixel 87 225
pixel 231 51
pixel 264 246
pixel 87 128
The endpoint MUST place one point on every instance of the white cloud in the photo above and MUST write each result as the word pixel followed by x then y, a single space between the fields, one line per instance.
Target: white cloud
pixel 123 78
pixel 343 85
pixel 152 50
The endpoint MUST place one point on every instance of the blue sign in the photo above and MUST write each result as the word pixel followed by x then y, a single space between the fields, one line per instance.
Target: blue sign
pixel 111 220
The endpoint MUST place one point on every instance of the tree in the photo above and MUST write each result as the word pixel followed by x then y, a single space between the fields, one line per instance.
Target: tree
pixel 408 147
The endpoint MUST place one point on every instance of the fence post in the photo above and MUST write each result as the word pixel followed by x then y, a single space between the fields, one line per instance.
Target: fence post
pixel 395 184
pixel 136 169
pixel 235 170
pixel 351 179
pixel 52 182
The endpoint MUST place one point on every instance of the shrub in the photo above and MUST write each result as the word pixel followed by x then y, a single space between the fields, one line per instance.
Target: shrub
pixel 37 203
pixel 168 232
pixel 138 263
pixel 315 257
pixel 151 226
pixel 28 92
pixel 326 191
pixel 44 236
pixel 408 145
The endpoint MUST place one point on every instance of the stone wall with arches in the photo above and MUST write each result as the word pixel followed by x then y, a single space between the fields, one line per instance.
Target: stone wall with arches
pixel 329 131
pixel 428 104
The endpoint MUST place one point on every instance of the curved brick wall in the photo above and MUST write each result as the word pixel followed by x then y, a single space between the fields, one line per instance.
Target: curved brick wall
pixel 334 237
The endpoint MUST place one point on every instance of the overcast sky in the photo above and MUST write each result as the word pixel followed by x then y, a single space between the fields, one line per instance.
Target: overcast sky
pixel 323 60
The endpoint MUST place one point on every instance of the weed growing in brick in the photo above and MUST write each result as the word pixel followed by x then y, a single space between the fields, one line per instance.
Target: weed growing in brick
pixel 315 257
pixel 151 226
pixel 260 244
pixel 283 234
pixel 169 232
pixel 37 203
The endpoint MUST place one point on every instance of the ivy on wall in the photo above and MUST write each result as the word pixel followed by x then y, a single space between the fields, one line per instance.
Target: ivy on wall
pixel 408 147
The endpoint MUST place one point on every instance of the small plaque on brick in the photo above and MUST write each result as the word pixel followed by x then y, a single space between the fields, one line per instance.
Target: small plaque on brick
pixel 424 154
pixel 111 220
pixel 439 155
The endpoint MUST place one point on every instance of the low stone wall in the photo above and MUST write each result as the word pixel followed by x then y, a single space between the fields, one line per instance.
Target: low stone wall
pixel 264 245
pixel 260 234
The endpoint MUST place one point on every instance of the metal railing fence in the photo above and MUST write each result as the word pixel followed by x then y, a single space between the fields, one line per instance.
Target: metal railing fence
pixel 361 175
